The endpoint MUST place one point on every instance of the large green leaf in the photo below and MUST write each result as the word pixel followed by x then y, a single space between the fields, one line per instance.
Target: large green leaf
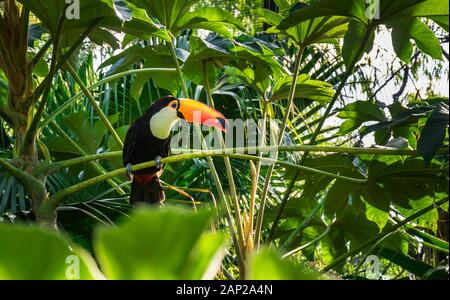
pixel 362 27
pixel 422 8
pixel 210 18
pixel 357 113
pixel 35 253
pixel 110 14
pixel 49 12
pixel 306 88
pixel 412 28
pixel 433 133
pixel 353 40
pixel 158 56
pixel 319 30
pixel 253 60
pixel 165 243
pixel 327 8
pixel 178 15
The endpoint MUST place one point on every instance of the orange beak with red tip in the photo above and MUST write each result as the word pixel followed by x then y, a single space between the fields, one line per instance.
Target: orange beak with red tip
pixel 198 113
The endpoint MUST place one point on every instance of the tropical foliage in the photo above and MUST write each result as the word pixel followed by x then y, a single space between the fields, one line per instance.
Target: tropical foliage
pixel 357 174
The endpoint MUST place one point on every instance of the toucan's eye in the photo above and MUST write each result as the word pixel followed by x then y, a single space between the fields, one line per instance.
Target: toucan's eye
pixel 173 105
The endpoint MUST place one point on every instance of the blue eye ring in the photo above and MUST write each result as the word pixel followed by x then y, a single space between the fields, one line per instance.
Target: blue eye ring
pixel 173 105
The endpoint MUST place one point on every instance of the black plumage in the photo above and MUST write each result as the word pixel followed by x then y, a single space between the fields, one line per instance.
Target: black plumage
pixel 141 146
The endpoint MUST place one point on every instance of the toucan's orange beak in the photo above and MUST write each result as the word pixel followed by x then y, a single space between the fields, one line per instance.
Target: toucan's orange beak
pixel 198 113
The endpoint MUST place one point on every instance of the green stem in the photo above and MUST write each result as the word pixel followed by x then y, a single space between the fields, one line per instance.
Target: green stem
pixel 114 77
pixel 95 165
pixel 23 177
pixel 58 197
pixel 64 58
pixel 318 129
pixel 94 103
pixel 33 128
pixel 40 53
pixel 321 236
pixel 303 224
pixel 178 67
pixel 258 165
pixel 234 197
pixel 291 97
pixel 211 165
pixel 385 233
pixel 115 154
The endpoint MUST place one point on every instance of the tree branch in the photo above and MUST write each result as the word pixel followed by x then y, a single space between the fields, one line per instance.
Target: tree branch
pixel 56 199
pixel 40 54
pixel 31 183
pixel 300 148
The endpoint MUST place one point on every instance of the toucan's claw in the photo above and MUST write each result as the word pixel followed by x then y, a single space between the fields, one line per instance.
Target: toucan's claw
pixel 129 171
pixel 158 162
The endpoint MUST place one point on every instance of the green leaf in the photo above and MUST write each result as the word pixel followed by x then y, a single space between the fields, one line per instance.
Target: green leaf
pixel 165 243
pixel 376 215
pixel 52 257
pixel 357 113
pixel 362 110
pixel 433 133
pixel 50 12
pixel 306 88
pixel 319 30
pixel 327 8
pixel 203 17
pixel 413 28
pixel 268 265
pixel 402 44
pixel 153 57
pixel 353 40
pixel 427 8
pixel 179 15
pixel 442 21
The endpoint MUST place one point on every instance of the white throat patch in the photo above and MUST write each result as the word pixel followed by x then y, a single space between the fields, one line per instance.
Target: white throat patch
pixel 162 122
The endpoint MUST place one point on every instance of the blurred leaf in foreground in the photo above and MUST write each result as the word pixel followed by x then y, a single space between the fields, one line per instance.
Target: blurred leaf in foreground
pixel 28 253
pixel 167 243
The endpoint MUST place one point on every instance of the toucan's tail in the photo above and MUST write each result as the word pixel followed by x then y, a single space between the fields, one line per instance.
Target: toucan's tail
pixel 146 189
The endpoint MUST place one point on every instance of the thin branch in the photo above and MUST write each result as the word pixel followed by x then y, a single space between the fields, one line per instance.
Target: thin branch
pixel 264 149
pixel 229 171
pixel 94 103
pixel 262 206
pixel 32 129
pixel 397 95
pixel 445 53
pixel 30 182
pixel 59 196
pixel 318 238
pixel 40 53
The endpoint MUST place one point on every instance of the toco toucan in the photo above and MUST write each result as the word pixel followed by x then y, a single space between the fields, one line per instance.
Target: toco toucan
pixel 149 139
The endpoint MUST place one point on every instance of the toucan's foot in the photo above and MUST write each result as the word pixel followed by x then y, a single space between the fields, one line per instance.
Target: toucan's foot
pixel 158 162
pixel 129 171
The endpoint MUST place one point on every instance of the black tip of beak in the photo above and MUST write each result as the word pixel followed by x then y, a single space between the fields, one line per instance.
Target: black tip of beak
pixel 223 123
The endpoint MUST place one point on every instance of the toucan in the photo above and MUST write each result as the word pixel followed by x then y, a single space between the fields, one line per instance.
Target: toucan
pixel 148 138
